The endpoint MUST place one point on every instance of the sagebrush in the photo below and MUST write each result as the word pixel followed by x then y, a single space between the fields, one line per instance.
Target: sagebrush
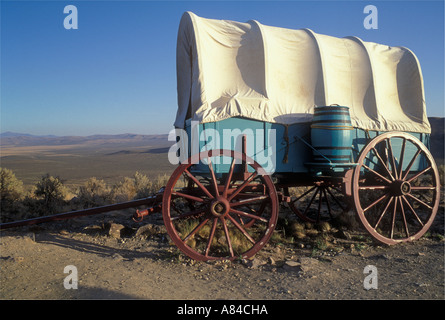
pixel 50 194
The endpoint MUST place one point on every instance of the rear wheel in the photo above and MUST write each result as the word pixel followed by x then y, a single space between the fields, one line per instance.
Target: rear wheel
pixel 396 188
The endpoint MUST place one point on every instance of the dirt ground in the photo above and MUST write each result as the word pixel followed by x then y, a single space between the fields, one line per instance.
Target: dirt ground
pixel 144 264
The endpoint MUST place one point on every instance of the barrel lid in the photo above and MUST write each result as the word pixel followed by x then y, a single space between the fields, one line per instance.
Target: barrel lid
pixel 332 106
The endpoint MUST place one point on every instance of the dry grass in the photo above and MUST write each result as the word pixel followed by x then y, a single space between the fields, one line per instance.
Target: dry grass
pixel 51 195
pixel 219 244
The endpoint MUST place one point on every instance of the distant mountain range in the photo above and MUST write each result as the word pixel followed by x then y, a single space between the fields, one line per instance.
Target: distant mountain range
pixel 10 134
pixel 13 139
pixel 25 140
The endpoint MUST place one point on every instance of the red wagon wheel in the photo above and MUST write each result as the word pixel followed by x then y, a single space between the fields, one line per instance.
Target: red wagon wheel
pixel 220 217
pixel 395 200
pixel 320 202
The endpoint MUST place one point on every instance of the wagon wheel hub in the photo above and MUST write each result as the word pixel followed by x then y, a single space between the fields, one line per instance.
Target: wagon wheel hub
pixel 400 188
pixel 219 207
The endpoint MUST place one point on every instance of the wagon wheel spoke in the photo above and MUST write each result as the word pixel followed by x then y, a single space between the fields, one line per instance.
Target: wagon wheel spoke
pixel 423 188
pixel 376 173
pixel 217 218
pixel 243 231
pixel 396 203
pixel 419 174
pixel 211 236
pixel 226 232
pixel 383 197
pixel 373 187
pixel 321 202
pixel 323 194
pixel 382 163
pixel 200 185
pixel 195 230
pixel 251 213
pixel 247 208
pixel 420 201
pixel 414 158
pixel 229 178
pixel 405 224
pixel 247 201
pixel 327 203
pixel 413 211
pixel 393 160
pixel 212 173
pixel 242 186
pixel 188 196
pixel 248 215
pixel 335 198
pixel 393 217
pixel 383 212
pixel 305 193
pixel 312 200
pixel 402 156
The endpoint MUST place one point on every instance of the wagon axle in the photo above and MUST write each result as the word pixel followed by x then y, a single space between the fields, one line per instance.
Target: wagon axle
pixel 219 207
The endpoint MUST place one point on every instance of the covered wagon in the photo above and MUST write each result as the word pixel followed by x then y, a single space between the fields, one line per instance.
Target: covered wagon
pixel 342 119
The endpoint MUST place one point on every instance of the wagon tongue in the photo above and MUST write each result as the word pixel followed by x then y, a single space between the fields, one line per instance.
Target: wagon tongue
pixel 153 201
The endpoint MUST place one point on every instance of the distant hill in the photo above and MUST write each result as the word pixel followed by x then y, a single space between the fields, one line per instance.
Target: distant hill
pixel 13 139
pixel 9 134
pixel 437 139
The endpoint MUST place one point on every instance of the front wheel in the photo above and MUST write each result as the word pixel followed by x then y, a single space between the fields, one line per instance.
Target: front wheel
pixel 220 216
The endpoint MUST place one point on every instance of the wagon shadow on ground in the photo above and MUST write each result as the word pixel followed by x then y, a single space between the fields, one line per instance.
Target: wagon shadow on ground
pixel 336 237
pixel 102 250
pixel 91 293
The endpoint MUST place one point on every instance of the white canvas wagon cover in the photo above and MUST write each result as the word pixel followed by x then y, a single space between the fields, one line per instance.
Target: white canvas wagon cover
pixel 227 69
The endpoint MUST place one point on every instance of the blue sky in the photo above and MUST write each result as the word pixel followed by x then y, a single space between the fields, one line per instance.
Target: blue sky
pixel 116 72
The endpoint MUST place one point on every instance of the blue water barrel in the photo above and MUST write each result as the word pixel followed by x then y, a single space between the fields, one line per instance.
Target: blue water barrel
pixel 331 135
